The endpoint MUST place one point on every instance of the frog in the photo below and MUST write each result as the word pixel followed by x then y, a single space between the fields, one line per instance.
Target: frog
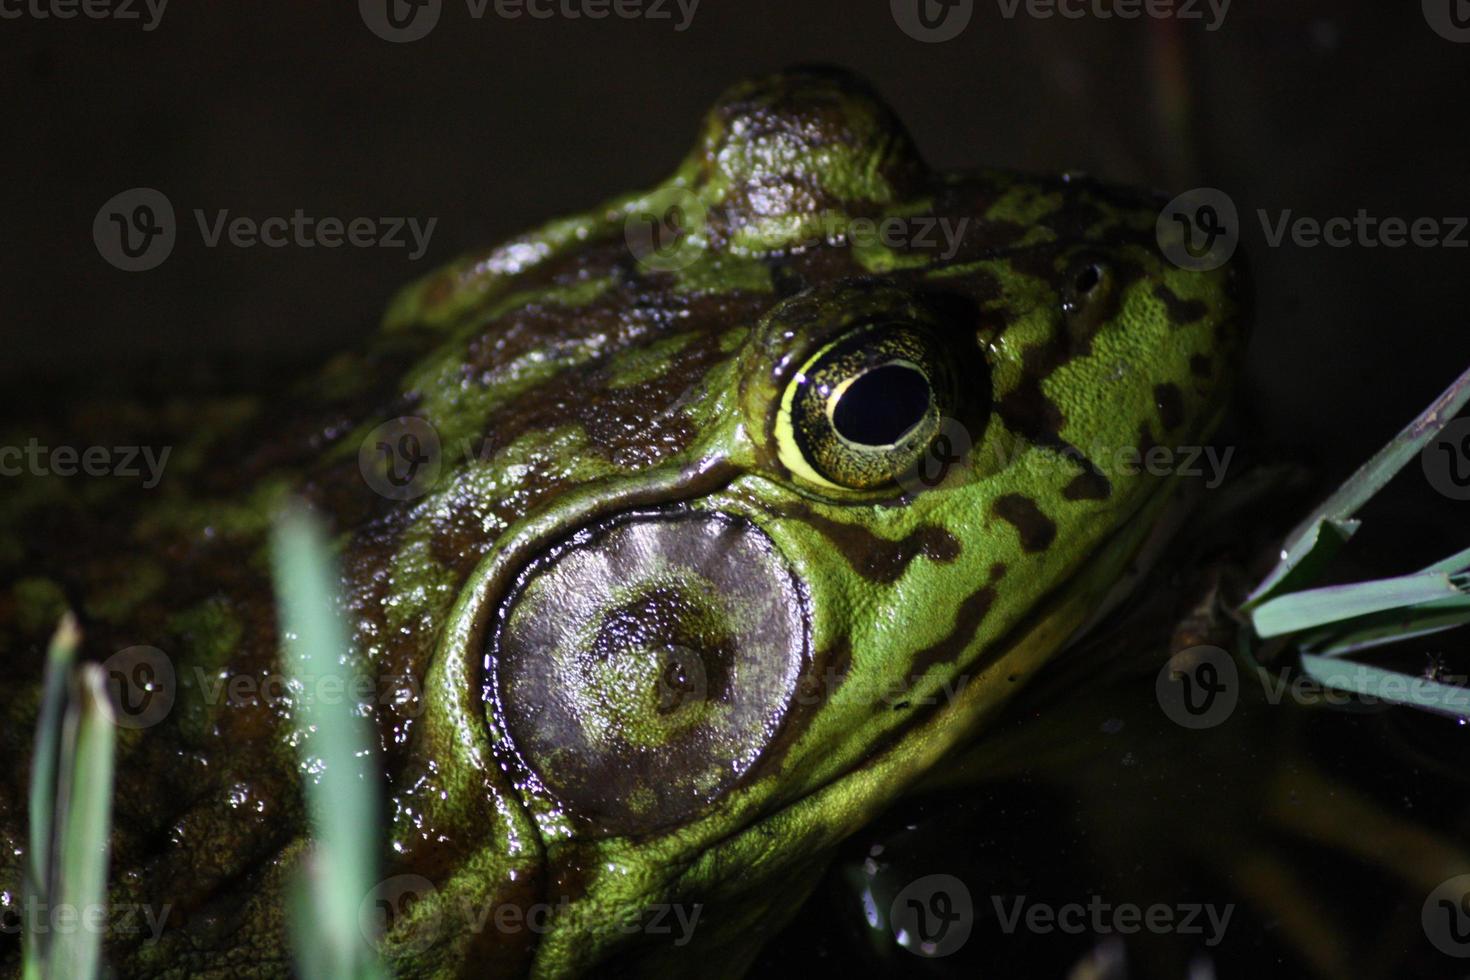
pixel 675 539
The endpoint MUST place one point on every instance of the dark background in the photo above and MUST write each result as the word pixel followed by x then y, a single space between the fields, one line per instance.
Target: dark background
pixel 494 125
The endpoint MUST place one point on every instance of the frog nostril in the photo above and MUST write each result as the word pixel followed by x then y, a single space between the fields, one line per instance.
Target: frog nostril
pixel 641 668
pixel 1088 279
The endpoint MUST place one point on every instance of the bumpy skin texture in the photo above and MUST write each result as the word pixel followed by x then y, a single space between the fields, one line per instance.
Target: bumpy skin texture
pixel 569 384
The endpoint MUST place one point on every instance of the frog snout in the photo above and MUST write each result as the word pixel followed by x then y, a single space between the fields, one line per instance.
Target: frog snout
pixel 643 665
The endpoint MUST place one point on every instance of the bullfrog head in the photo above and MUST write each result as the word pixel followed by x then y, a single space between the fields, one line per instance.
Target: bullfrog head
pixel 678 538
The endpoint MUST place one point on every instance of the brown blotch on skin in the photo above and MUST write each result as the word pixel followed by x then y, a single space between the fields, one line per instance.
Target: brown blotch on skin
pixel 876 558
pixel 967 620
pixel 1181 311
pixel 1036 529
pixel 1170 402
pixel 1027 411
pixel 1089 485
pixel 1201 366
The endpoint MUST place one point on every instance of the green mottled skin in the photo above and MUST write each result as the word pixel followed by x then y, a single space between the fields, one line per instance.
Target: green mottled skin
pixel 568 382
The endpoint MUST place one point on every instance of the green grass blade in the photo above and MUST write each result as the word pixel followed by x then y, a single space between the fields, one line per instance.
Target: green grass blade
pixel 1458 562
pixel 1388 685
pixel 86 821
pixel 1389 626
pixel 336 755
pixel 1302 545
pixel 1310 608
pixel 60 657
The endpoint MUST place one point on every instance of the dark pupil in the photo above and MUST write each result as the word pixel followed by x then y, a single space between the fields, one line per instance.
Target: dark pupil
pixel 881 405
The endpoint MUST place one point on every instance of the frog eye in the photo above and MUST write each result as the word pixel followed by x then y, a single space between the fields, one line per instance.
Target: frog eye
pixel 863 409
